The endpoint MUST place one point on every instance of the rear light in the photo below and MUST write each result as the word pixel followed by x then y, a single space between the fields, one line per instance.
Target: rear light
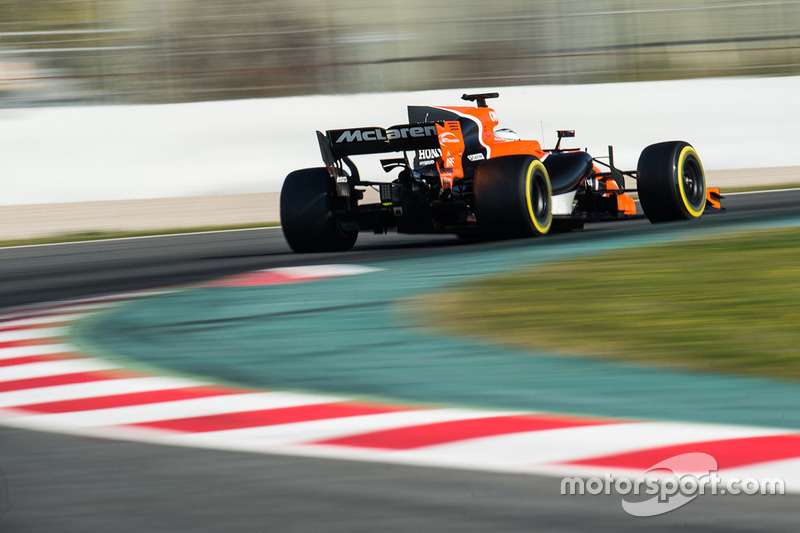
pixel 386 193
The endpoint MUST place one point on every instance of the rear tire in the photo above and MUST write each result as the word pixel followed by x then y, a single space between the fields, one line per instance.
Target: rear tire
pixel 307 213
pixel 671 182
pixel 513 197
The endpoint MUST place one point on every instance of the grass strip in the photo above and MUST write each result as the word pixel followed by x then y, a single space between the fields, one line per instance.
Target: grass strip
pixel 102 235
pixel 759 188
pixel 724 305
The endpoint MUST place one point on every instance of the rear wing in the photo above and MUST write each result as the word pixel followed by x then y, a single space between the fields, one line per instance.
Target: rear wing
pixel 335 145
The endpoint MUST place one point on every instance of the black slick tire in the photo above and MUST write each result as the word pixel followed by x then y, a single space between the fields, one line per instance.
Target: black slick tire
pixel 513 197
pixel 671 182
pixel 307 217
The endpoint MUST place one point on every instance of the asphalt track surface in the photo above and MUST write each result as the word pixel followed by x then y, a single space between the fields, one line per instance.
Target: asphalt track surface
pixel 62 483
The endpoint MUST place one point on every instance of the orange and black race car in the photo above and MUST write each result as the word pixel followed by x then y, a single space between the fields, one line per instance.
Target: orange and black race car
pixel 470 178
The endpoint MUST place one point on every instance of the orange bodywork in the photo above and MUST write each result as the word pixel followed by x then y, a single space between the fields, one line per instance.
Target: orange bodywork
pixel 451 142
pixel 625 203
pixel 497 146
pixel 450 169
pixel 713 198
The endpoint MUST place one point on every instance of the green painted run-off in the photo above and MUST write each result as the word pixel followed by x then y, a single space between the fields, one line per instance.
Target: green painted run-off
pixel 348 335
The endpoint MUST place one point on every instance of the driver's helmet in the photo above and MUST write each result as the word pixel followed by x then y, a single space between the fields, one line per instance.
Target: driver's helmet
pixel 505 134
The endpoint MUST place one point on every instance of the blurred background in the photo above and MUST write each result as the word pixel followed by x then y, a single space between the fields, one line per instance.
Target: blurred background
pixel 55 52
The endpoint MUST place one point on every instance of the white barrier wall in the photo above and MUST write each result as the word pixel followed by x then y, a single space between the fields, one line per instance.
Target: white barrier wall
pixel 66 154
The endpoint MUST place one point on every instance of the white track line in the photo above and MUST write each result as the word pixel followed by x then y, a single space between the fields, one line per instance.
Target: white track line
pixel 758 192
pixel 116 239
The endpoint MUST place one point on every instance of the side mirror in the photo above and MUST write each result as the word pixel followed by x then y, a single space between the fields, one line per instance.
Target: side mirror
pixel 561 135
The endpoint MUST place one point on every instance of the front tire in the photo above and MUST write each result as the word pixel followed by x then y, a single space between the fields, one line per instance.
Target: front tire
pixel 307 215
pixel 513 197
pixel 671 182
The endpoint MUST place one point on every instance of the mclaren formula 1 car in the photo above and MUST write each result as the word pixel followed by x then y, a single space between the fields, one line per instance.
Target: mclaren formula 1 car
pixel 468 177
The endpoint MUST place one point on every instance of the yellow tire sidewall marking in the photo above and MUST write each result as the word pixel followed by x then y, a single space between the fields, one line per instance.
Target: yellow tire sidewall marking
pixel 528 181
pixel 684 154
